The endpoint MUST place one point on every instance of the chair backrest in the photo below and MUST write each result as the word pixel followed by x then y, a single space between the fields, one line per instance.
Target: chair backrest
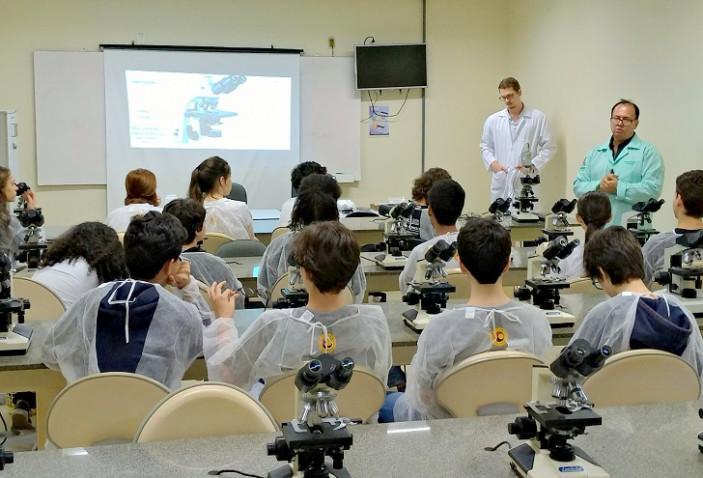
pixel 487 383
pixel 205 410
pixel 642 376
pixel 459 280
pixel 362 398
pixel 213 241
pixel 275 292
pixel 241 248
pixel 279 231
pixel 106 407
pixel 44 304
pixel 238 193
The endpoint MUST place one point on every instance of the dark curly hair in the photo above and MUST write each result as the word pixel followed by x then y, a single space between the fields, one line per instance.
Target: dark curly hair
pixel 96 243
pixel 313 206
pixel 423 184
pixel 150 241
pixel 303 170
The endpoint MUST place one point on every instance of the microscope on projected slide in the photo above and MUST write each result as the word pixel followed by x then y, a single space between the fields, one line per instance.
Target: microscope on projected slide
pixel 293 294
pixel 33 244
pixel 319 431
pixel 525 201
pixel 429 290
pixel 202 116
pixel 640 224
pixel 15 335
pixel 549 427
pixel 684 277
pixel 545 279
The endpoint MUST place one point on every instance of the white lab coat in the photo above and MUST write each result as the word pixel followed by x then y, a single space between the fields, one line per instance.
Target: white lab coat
pixel 274 263
pixel 612 323
pixel 229 217
pixel 280 341
pixel 119 218
pixel 504 143
pixel 129 326
pixel 68 279
pixel 456 334
pixel 418 254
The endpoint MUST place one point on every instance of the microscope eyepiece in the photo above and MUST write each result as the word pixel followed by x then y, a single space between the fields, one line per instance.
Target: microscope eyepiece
pixel 22 188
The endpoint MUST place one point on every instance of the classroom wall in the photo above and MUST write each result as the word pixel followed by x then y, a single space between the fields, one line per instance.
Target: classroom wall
pixel 576 59
pixel 29 25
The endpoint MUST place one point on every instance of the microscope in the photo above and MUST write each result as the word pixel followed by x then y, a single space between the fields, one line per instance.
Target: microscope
pixel 201 116
pixel 500 211
pixel 525 201
pixel 640 224
pixel 685 274
pixel 700 435
pixel 318 431
pixel 396 237
pixel 557 222
pixel 429 290
pixel 549 427
pixel 33 245
pixel 6 457
pixel 15 335
pixel 294 295
pixel 545 279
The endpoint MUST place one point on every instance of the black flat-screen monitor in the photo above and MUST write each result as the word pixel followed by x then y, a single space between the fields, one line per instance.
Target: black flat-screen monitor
pixel 382 67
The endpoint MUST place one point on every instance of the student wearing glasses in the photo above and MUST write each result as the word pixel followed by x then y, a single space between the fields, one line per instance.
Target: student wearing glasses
pixel 626 168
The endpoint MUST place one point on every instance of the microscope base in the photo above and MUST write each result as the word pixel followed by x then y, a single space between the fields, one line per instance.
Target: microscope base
pixel 559 317
pixel 417 320
pixel 17 341
pixel 525 217
pixel 527 461
pixel 388 261
pixel 286 471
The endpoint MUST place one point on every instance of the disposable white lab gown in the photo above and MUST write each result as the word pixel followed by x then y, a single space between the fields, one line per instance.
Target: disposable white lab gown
pixel 286 212
pixel 229 217
pixel 624 323
pixel 456 334
pixel 572 266
pixel 503 142
pixel 418 254
pixel 68 279
pixel 274 264
pixel 653 253
pixel 129 326
pixel 208 268
pixel 119 218
pixel 282 340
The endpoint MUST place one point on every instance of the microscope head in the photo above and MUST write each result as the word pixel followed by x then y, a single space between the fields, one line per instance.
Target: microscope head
pixel 579 360
pixel 500 206
pixel 648 207
pixel 325 370
pixel 564 206
pixel 441 251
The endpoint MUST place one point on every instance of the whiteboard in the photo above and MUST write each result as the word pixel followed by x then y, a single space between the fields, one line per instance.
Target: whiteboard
pixel 70 117
pixel 69 99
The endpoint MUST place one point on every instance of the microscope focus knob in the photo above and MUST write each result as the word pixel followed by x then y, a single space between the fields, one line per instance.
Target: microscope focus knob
pixel 523 427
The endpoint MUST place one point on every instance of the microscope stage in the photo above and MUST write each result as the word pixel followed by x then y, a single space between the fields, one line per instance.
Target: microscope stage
pixel 526 217
pixel 388 261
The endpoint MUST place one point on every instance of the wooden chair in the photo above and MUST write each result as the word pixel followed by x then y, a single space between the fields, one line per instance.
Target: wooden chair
pixel 44 303
pixel 101 408
pixel 205 410
pixel 488 383
pixel 361 398
pixel 213 241
pixel 279 231
pixel 643 376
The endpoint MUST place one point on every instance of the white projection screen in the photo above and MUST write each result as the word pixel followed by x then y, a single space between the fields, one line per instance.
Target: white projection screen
pixel 166 111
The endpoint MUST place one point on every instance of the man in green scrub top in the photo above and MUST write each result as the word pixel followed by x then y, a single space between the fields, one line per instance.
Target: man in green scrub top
pixel 627 168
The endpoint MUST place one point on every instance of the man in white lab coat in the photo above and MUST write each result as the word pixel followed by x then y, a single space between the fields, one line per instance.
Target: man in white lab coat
pixel 514 138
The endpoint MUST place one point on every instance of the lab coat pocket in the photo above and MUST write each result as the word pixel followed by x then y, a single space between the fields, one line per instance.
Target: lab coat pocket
pixel 630 171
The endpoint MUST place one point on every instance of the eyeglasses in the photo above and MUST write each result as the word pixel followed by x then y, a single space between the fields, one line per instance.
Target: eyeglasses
pixel 507 97
pixel 620 119
pixel 596 283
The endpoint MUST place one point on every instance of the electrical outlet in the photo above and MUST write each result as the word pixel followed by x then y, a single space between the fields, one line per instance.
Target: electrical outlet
pixel 330 42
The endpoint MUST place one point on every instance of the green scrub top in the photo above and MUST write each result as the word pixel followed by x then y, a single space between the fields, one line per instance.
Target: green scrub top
pixel 639 168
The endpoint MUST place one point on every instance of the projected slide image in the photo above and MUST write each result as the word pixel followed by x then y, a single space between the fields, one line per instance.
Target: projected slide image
pixel 207 111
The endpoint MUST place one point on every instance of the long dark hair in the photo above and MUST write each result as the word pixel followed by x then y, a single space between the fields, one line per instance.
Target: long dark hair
pixel 96 243
pixel 205 177
pixel 594 209
pixel 5 234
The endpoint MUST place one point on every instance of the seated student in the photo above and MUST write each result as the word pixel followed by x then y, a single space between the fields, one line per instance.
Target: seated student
pixel 11 231
pixel 490 321
pixel 419 223
pixel 323 183
pixel 633 317
pixel 210 183
pixel 205 267
pixel 592 213
pixel 688 210
pixel 281 340
pixel 80 259
pixel 296 176
pixel 141 198
pixel 136 325
pixel 312 206
pixel 446 201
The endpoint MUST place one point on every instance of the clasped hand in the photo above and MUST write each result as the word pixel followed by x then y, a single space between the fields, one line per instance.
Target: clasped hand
pixel 609 183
